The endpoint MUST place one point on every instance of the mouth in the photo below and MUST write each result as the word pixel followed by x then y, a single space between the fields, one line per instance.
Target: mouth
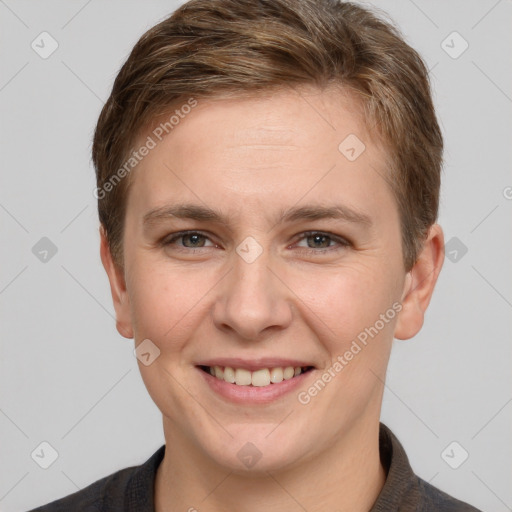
pixel 254 381
pixel 261 377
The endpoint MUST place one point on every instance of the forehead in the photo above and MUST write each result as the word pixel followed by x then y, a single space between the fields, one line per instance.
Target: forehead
pixel 254 151
pixel 288 118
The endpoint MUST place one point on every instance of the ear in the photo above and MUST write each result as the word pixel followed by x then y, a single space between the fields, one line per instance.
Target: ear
pixel 419 285
pixel 117 287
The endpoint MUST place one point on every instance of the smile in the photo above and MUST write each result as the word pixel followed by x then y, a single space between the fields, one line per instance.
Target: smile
pixel 258 378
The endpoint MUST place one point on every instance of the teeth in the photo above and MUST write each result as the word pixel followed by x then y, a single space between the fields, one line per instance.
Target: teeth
pixel 258 378
pixel 242 377
pixel 276 375
pixel 289 372
pixel 229 374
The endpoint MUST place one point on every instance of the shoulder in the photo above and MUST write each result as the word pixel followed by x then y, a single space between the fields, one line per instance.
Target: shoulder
pixel 435 499
pixel 127 489
pixel 403 490
pixel 90 499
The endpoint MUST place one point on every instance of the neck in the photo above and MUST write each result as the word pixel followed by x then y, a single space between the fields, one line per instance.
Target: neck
pixel 347 476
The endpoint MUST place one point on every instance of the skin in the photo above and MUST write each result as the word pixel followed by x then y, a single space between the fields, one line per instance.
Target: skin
pixel 302 297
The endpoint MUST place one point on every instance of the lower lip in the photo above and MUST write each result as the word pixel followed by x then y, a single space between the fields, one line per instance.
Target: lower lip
pixel 253 394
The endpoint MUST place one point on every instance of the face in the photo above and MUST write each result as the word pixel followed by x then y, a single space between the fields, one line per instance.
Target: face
pixel 254 243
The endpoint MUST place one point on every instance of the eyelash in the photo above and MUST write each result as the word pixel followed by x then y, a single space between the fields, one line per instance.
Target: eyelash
pixel 341 241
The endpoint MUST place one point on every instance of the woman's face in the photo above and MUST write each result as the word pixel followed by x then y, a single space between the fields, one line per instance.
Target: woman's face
pixel 292 251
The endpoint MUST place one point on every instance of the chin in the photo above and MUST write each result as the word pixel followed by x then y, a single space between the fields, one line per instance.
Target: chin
pixel 253 451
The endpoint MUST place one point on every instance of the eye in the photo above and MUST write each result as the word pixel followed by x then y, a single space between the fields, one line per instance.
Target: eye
pixel 318 241
pixel 190 240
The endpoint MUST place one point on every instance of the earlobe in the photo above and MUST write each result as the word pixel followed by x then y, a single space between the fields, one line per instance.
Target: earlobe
pixel 419 285
pixel 118 290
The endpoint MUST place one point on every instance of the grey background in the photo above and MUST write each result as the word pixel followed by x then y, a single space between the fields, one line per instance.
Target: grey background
pixel 69 379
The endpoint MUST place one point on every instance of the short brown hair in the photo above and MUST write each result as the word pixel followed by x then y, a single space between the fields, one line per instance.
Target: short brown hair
pixel 210 47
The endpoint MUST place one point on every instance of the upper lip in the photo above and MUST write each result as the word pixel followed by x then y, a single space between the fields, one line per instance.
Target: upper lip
pixel 253 364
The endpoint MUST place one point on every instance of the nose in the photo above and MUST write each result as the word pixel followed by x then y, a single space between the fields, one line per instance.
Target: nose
pixel 252 300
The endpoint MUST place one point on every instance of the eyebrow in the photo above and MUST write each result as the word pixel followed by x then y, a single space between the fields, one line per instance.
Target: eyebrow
pixel 306 212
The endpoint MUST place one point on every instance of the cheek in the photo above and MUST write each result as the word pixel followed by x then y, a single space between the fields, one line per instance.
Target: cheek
pixel 346 300
pixel 164 301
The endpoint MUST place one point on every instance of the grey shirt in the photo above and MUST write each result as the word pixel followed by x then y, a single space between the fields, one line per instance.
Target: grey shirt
pixel 132 489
